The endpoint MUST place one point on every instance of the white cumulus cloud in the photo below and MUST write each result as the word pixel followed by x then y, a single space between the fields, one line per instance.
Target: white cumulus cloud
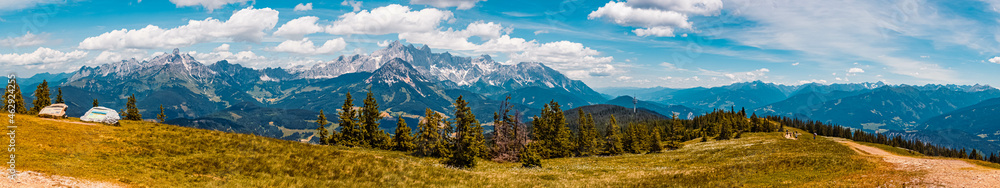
pixel 305 46
pixel 221 48
pixel 388 19
pixel 210 5
pixel 27 39
pixel 995 60
pixel 110 56
pixel 244 57
pixel 245 25
pixel 354 4
pixel 855 70
pixel 458 4
pixel 455 40
pixel 299 27
pixel 304 7
pixel 655 18
pixel 42 58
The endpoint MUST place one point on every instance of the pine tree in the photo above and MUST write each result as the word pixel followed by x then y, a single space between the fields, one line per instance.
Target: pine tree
pixel 402 141
pixel 676 131
pixel 59 98
pixel 587 140
pixel 370 117
pixel 350 132
pixel 160 118
pixel 431 141
pixel 613 139
pixel 469 142
pixel 95 103
pixel 628 139
pixel 725 133
pixel 564 136
pixel 654 141
pixel 131 112
pixel 704 136
pixel 14 89
pixel 41 97
pixel 321 130
pixel 541 131
pixel 530 158
pixel 634 138
pixel 552 132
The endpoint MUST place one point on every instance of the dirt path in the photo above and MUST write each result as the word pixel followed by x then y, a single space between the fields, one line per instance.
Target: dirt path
pixel 35 179
pixel 940 172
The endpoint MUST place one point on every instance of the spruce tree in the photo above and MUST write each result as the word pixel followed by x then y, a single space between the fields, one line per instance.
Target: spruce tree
pixel 634 141
pixel 370 117
pixel 351 134
pixel 704 136
pixel 529 158
pixel 541 131
pixel 161 117
pixel 564 136
pixel 431 141
pixel 321 130
pixel 131 112
pixel 553 133
pixel 726 133
pixel 654 141
pixel 59 98
pixel 402 141
pixel 469 142
pixel 628 139
pixel 41 97
pixel 14 89
pixel 95 103
pixel 675 134
pixel 587 139
pixel 613 139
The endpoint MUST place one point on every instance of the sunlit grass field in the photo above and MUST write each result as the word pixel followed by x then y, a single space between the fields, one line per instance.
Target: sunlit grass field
pixel 143 154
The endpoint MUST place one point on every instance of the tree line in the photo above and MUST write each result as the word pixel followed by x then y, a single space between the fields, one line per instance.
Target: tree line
pixel 42 99
pixel 913 145
pixel 460 140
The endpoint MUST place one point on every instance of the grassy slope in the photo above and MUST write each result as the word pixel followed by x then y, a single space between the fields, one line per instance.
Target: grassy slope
pixel 147 154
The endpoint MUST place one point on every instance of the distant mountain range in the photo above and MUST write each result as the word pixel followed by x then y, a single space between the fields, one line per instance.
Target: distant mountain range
pixel 932 112
pixel 980 119
pixel 681 111
pixel 405 79
pixel 275 101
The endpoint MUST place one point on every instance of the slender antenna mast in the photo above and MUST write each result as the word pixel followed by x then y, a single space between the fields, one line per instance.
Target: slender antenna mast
pixel 635 102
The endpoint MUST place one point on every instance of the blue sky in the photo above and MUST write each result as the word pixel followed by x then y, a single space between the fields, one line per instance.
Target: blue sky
pixel 637 43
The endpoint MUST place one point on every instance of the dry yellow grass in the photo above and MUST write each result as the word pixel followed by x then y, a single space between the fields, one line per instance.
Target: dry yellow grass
pixel 156 155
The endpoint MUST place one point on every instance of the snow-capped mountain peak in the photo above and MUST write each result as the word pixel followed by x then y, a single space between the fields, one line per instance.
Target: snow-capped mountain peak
pixel 174 63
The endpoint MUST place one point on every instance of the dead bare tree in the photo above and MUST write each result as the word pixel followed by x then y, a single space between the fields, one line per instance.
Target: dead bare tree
pixel 510 134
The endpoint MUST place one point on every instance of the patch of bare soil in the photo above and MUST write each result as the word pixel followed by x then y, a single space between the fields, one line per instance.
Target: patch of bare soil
pixel 940 172
pixel 35 179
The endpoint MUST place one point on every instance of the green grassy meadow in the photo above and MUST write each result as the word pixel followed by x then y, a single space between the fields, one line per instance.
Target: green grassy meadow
pixel 144 154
